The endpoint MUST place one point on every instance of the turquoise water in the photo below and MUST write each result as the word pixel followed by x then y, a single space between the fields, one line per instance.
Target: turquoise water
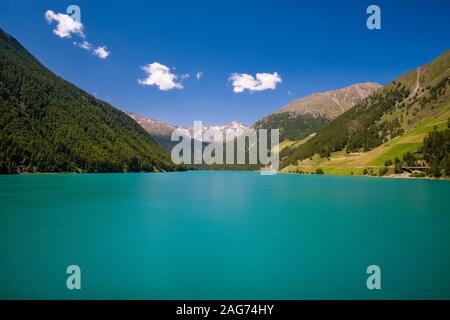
pixel 223 235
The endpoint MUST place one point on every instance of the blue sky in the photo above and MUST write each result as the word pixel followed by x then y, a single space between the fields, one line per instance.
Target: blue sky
pixel 312 46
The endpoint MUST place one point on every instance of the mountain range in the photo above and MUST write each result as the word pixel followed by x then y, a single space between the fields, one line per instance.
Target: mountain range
pixel 364 125
pixel 162 131
pixel 297 120
pixel 49 125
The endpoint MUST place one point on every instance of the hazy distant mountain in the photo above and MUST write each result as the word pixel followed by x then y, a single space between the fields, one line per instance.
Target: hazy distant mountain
pixel 162 131
pixel 304 116
pixel 227 131
pixel 159 130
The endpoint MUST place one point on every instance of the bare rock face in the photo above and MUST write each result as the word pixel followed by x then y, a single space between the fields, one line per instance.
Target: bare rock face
pixel 330 104
pixel 307 115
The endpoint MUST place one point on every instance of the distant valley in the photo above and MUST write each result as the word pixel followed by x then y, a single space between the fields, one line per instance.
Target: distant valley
pixel 296 121
pixel 360 129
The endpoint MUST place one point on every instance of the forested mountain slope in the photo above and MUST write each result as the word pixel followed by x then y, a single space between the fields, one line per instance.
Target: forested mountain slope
pixel 49 125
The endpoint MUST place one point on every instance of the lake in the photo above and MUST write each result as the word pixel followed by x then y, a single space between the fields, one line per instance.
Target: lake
pixel 223 235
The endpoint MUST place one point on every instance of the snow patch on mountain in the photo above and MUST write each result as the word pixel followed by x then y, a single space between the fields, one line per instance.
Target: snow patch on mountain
pixel 210 133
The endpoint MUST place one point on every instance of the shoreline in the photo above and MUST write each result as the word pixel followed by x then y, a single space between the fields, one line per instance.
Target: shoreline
pixel 403 176
pixel 391 176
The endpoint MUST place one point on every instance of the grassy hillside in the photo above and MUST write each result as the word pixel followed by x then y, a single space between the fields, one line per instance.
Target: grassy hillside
pixel 391 122
pixel 49 125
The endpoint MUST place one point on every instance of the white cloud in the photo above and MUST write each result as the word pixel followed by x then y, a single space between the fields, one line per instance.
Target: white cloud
pixel 84 45
pixel 184 76
pixel 263 81
pixel 159 75
pixel 199 75
pixel 102 52
pixel 65 24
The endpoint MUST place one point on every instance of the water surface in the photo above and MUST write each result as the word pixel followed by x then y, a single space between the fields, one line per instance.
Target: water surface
pixel 223 235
